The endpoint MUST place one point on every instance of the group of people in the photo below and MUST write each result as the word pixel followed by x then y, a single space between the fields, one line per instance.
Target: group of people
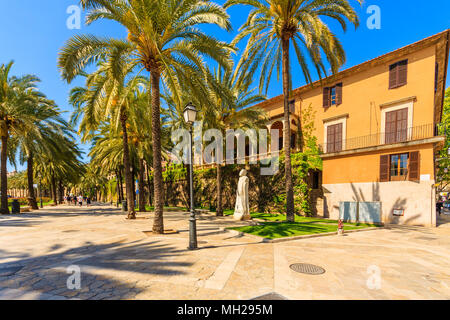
pixel 77 200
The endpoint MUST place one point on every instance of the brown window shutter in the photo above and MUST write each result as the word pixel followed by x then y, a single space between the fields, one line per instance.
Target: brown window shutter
pixel 384 168
pixel 338 137
pixel 326 97
pixel 414 166
pixel 402 73
pixel 339 93
pixel 393 76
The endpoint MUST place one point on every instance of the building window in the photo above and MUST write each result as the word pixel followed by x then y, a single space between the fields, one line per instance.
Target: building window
pixel 293 141
pixel 334 138
pixel 398 74
pixel 292 106
pixel 399 167
pixel 332 95
pixel 396 126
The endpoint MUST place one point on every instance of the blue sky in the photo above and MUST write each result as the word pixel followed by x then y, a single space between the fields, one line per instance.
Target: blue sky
pixel 32 32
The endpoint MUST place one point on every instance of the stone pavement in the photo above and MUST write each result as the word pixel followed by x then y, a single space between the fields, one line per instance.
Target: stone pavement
pixel 118 260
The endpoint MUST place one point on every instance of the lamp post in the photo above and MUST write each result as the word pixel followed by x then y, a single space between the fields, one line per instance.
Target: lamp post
pixel 190 113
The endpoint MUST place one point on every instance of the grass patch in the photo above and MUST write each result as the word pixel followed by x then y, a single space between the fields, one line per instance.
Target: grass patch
pixel 275 225
pixel 273 230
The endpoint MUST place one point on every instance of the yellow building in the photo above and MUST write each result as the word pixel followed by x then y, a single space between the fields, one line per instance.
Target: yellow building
pixel 376 125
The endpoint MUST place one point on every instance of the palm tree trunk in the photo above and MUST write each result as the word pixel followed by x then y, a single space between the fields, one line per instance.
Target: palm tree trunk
pixel 4 178
pixel 287 133
pixel 141 186
pixel 121 185
pixel 149 183
pixel 119 193
pixel 61 192
pixel 31 196
pixel 126 164
pixel 219 209
pixel 54 189
pixel 133 185
pixel 158 223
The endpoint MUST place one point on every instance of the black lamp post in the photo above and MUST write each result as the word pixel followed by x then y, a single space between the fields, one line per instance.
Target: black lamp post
pixel 190 113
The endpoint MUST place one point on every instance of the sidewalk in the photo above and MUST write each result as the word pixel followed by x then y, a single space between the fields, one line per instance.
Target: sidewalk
pixel 119 261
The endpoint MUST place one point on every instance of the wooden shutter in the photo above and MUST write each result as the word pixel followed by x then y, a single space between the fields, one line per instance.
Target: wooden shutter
pixel 338 137
pixel 334 138
pixel 414 166
pixel 402 71
pixel 390 127
pixel 393 76
pixel 384 168
pixel 326 97
pixel 330 139
pixel 339 93
pixel 402 125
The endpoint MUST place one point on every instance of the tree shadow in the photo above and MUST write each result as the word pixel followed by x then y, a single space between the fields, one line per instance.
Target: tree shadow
pixel 47 273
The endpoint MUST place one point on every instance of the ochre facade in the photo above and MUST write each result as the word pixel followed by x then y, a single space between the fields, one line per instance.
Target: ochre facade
pixel 378 123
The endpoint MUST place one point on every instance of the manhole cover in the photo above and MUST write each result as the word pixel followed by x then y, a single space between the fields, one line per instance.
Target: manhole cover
pixel 5 272
pixel 270 296
pixel 307 268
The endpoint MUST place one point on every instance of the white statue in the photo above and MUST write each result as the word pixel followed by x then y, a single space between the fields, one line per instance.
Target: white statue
pixel 242 211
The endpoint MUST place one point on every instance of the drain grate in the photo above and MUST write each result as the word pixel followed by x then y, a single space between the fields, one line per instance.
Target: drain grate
pixel 307 268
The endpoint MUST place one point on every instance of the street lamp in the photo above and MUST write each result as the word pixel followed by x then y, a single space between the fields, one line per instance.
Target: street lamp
pixel 190 113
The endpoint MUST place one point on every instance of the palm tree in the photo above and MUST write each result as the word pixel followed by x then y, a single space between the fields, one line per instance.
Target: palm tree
pixel 17 117
pixel 51 127
pixel 271 27
pixel 164 39
pixel 110 93
pixel 229 110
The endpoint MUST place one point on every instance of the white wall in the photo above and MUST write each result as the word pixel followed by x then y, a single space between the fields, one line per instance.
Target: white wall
pixel 417 198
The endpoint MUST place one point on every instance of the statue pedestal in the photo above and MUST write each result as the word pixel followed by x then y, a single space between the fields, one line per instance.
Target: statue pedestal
pixel 240 217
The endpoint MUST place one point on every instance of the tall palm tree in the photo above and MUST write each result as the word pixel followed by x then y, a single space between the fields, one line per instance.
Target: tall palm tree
pixel 164 39
pixel 17 117
pixel 111 92
pixel 271 27
pixel 51 129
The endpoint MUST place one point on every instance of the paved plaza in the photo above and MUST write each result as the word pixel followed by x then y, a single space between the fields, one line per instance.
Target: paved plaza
pixel 118 259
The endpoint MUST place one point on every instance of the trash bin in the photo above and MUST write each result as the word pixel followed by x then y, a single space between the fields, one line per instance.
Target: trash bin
pixel 15 206
pixel 124 206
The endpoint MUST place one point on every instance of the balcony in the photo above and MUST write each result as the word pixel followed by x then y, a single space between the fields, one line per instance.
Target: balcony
pixel 385 138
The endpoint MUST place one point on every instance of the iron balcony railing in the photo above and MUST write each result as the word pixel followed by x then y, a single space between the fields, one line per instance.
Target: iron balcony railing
pixel 384 138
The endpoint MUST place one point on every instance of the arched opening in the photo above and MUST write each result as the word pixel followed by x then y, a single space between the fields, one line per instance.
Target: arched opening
pixel 278 125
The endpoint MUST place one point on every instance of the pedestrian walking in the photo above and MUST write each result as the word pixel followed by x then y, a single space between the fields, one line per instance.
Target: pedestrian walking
pixel 88 201
pixel 80 201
